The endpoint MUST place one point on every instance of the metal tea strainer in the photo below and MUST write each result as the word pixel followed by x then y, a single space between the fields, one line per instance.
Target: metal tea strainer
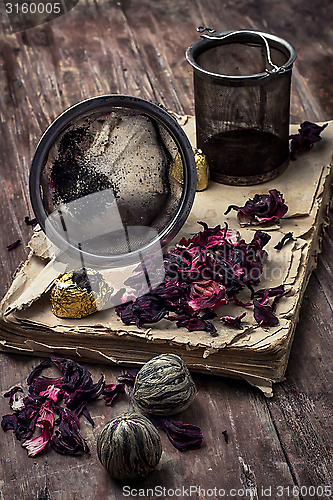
pixel 101 182
pixel 242 103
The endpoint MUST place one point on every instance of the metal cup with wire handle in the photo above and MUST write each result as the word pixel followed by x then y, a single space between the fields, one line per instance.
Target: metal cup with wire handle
pixel 242 103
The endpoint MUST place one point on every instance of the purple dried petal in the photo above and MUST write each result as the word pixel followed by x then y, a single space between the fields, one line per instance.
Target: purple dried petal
pixel 41 384
pixel 52 393
pixel 231 207
pixel 85 394
pixel 15 401
pixel 78 387
pixel 195 324
pixel 9 422
pixel 263 314
pixel 13 245
pixel 129 377
pixel 24 420
pixel 201 274
pixel 272 292
pixel 38 369
pixel 76 378
pixel 45 421
pixel 207 294
pixel 262 208
pixel 234 320
pixel 111 391
pixel 30 222
pixel 183 436
pixel 283 240
pixel 245 219
pixel 146 309
pixel 10 394
pixel 279 297
pixel 307 136
pixel 209 314
pixel 67 439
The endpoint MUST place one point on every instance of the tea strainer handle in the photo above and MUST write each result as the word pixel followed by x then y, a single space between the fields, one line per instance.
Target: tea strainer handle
pixel 210 35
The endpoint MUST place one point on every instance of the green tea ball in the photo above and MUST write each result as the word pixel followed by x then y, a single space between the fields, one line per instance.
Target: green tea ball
pixel 164 386
pixel 129 447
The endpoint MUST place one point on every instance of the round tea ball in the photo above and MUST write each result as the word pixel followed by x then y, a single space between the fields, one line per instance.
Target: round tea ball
pixel 164 386
pixel 129 446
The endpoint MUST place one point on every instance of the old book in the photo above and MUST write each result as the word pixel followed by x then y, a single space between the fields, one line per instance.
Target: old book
pixel 258 355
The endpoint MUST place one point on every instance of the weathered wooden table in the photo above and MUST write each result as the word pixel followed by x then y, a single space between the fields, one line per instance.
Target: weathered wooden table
pixel 137 48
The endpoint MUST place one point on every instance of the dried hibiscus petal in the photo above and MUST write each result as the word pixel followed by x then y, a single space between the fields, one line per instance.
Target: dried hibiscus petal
pixel 13 245
pixel 85 394
pixel 51 392
pixel 26 418
pixel 183 436
pixel 67 439
pixel 37 370
pixel 9 422
pixel 195 324
pixel 307 136
pixel 286 237
pixel 207 294
pixel 45 421
pixel 201 274
pixel 262 208
pixel 78 387
pixel 234 320
pixel 272 292
pixel 146 309
pixel 111 391
pixel 41 384
pixel 16 401
pixel 30 222
pixel 129 377
pixel 263 313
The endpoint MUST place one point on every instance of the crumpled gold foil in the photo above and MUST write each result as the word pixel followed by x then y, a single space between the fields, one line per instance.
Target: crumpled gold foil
pixel 177 169
pixel 68 300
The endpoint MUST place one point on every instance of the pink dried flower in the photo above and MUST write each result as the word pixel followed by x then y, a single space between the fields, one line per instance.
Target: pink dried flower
pixel 52 393
pixel 45 421
pixel 234 320
pixel 262 208
pixel 207 294
pixel 16 401
pixel 201 274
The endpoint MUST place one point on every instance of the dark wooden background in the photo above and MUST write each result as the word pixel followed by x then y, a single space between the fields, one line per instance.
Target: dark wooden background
pixel 137 47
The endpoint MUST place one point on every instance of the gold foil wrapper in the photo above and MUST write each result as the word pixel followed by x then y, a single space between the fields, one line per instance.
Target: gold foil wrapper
pixel 68 300
pixel 177 169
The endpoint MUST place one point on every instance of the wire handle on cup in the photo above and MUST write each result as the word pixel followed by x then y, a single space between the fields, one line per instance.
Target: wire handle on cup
pixel 276 69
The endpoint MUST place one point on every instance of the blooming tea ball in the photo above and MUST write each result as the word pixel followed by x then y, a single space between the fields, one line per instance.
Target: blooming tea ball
pixel 164 386
pixel 129 446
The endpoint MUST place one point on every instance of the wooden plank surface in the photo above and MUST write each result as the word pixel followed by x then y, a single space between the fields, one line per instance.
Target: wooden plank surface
pixel 137 48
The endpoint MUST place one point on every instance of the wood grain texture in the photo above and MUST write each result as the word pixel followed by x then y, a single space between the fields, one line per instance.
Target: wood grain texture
pixel 137 48
pixel 302 405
